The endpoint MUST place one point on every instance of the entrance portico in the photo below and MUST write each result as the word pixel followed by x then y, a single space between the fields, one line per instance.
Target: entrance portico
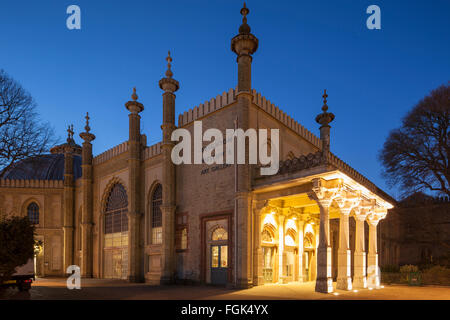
pixel 292 230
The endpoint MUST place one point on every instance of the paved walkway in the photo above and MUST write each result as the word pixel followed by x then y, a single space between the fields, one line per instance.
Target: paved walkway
pixel 55 288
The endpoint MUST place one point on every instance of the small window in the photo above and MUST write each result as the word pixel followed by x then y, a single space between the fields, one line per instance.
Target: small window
pixel 183 244
pixel 33 213
pixel 181 231
pixel 219 234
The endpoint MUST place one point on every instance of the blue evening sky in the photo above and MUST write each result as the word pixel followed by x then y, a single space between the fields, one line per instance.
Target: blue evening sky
pixel 373 77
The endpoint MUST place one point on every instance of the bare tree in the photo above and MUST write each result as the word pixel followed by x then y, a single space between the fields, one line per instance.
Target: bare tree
pixel 416 155
pixel 22 134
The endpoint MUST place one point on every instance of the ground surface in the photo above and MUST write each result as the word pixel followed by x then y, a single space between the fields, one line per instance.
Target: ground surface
pixel 55 288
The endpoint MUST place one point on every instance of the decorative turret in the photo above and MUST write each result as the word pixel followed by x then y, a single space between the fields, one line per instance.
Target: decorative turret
pixel 87 203
pixel 70 146
pixel 244 45
pixel 169 85
pixel 87 136
pixel 324 119
pixel 135 146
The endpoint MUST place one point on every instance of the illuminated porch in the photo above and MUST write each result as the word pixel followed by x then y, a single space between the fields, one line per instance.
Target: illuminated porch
pixel 291 229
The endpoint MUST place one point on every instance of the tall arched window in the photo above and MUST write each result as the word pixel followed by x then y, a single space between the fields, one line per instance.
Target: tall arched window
pixel 33 213
pixel 116 219
pixel 157 215
pixel 116 234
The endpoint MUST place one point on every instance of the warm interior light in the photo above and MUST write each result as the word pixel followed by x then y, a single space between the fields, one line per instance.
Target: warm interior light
pixel 355 290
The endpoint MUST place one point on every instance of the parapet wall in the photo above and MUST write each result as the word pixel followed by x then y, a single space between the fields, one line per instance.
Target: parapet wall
pixel 111 153
pixel 229 97
pixel 152 151
pixel 6 183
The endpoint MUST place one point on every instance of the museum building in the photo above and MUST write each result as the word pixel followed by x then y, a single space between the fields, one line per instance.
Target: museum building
pixel 131 213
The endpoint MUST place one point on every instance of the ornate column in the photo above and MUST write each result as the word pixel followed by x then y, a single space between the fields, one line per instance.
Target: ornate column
pixel 134 186
pixel 324 196
pixel 244 45
pixel 360 280
pixel 300 225
pixel 258 278
pixel 168 207
pixel 373 272
pixel 344 279
pixel 87 202
pixel 281 219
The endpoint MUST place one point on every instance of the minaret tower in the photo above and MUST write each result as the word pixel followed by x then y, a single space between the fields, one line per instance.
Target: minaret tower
pixel 87 202
pixel 244 45
pixel 134 187
pixel 69 193
pixel 324 119
pixel 169 85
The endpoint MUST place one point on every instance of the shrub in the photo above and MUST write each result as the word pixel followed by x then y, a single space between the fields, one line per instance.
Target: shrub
pixel 408 268
pixel 16 244
pixel 438 275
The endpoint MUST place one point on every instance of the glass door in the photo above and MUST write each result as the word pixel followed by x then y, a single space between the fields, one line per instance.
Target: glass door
pixel 219 264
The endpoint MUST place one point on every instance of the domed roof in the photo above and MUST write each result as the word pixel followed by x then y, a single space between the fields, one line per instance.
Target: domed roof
pixel 44 167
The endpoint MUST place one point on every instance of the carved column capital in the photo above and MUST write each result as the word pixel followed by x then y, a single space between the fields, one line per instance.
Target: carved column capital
pixel 347 201
pixel 376 215
pixel 324 192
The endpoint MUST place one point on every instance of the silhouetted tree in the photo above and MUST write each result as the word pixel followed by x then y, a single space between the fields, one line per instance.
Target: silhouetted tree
pixel 17 244
pixel 22 135
pixel 416 155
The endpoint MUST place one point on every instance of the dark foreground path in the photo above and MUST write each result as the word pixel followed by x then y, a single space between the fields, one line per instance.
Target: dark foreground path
pixel 55 288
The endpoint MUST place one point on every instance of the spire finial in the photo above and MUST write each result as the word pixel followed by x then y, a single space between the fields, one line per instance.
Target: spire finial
pixel 169 73
pixel 325 96
pixel 244 28
pixel 70 133
pixel 87 128
pixel 244 11
pixel 134 96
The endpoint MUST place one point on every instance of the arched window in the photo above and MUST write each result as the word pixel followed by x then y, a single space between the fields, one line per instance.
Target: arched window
pixel 289 238
pixel 116 219
pixel 266 236
pixel 157 215
pixel 219 234
pixel 308 240
pixel 33 213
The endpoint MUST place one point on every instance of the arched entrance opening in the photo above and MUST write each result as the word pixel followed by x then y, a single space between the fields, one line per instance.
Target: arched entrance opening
pixel 308 256
pixel 115 241
pixel 269 251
